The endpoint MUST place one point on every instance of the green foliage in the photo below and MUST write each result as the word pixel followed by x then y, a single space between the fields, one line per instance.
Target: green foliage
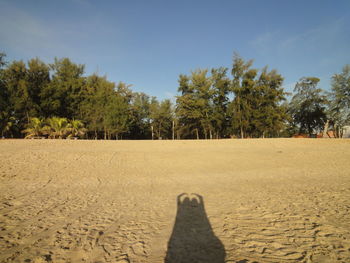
pixel 339 106
pixel 140 116
pixel 161 118
pixel 193 106
pixel 5 117
pixel 54 128
pixel 308 106
pixel 117 118
pixel 221 85
pixel 256 109
pixel 57 128
pixel 76 129
pixel 341 88
pixel 62 97
pixel 35 128
pixel 210 104
pixel 21 104
pixel 7 124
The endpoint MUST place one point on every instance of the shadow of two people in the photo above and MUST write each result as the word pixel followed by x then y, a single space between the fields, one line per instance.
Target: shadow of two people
pixel 192 239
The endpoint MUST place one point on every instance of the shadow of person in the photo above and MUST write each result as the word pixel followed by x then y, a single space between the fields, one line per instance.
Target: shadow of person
pixel 193 239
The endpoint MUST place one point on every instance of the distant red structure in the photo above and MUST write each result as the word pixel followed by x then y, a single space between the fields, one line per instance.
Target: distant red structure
pixel 300 136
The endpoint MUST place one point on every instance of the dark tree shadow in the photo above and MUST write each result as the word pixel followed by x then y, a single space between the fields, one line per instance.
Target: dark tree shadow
pixel 193 239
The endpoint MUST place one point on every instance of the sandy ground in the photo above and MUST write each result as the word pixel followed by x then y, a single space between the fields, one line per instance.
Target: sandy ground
pixel 272 200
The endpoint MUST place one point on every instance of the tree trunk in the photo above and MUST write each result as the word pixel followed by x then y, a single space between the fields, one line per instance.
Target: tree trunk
pixel 173 133
pixel 197 133
pixel 240 117
pixel 210 134
pixel 325 129
pixel 152 132
pixel 28 118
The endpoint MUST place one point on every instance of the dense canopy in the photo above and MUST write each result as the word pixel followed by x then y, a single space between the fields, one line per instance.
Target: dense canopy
pixel 59 101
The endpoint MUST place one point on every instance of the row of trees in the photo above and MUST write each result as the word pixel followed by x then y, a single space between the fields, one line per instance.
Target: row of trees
pixel 210 104
pixel 108 110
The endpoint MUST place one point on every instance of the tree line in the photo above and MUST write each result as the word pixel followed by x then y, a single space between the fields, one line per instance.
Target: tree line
pixel 59 101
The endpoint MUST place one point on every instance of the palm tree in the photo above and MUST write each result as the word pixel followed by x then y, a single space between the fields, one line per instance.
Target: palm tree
pixel 57 127
pixel 34 128
pixel 76 128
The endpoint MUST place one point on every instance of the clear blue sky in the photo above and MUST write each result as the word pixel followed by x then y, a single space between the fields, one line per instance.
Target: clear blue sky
pixel 149 43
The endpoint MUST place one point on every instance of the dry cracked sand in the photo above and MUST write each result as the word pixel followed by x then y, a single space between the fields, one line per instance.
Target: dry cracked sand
pixel 257 200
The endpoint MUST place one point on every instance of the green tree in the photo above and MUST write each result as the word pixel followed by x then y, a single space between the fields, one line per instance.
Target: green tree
pixel 308 105
pixel 35 128
pixel 194 109
pixel 140 116
pixel 186 112
pixel 243 84
pixel 105 107
pixel 20 101
pixel 76 129
pixel 96 95
pixel 161 116
pixel 62 97
pixel 117 116
pixel 269 112
pixel 38 78
pixel 7 124
pixel 3 90
pixel 221 85
pixel 6 120
pixel 257 108
pixel 57 127
pixel 339 108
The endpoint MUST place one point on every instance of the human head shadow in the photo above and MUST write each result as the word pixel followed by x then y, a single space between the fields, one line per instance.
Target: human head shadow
pixel 193 239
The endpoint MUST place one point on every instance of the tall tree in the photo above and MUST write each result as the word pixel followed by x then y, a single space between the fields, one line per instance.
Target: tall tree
pixel 308 105
pixel 38 78
pixel 62 97
pixel 21 104
pixel 188 115
pixel 256 109
pixel 140 116
pixel 5 113
pixel 99 104
pixel 240 107
pixel 3 90
pixel 193 105
pixel 242 84
pixel 117 119
pixel 161 116
pixel 270 113
pixel 339 110
pixel 221 85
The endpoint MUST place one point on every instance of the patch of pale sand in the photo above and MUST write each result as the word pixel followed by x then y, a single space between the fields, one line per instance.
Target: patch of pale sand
pixel 271 200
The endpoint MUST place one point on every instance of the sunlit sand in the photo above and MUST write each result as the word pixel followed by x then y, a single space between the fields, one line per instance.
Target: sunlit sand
pixel 255 200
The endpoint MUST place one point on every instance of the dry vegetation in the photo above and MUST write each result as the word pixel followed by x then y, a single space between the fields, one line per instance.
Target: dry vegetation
pixel 271 200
